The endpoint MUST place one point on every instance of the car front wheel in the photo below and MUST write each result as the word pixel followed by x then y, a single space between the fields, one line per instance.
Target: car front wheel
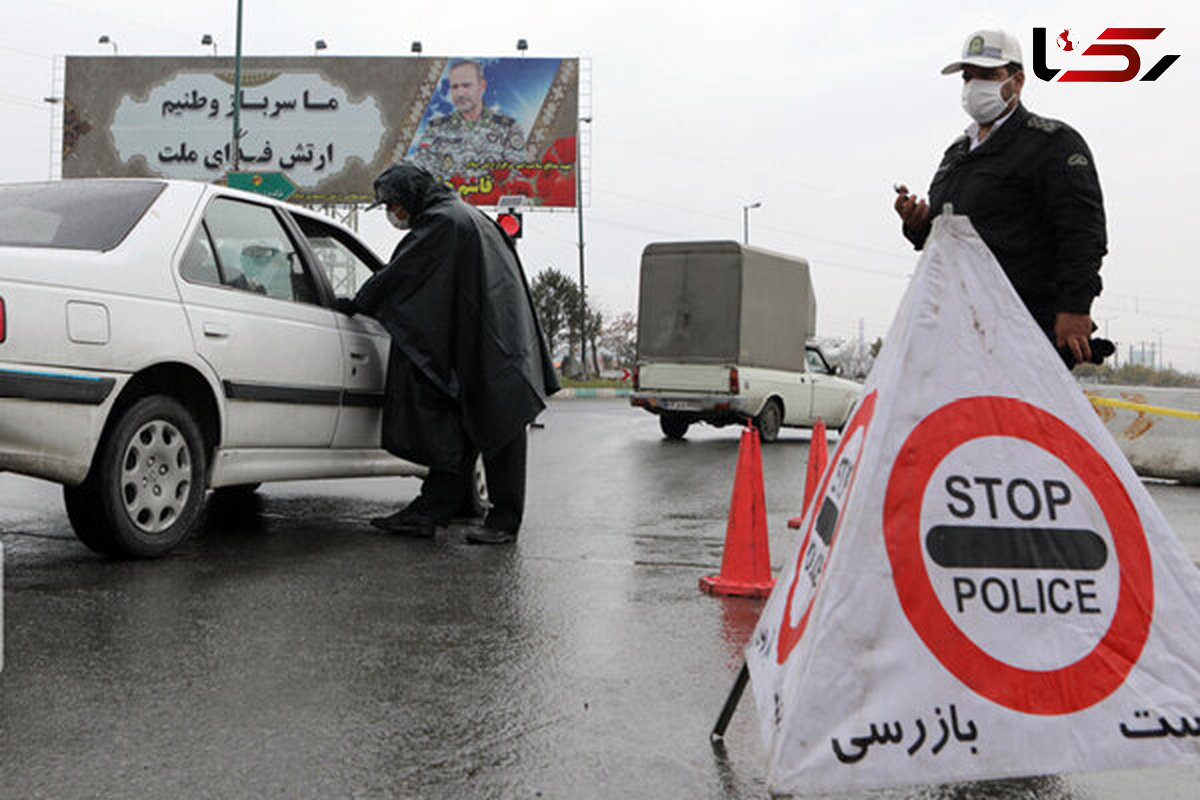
pixel 146 488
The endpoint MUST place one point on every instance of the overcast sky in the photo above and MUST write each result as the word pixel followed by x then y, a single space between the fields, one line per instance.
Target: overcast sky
pixel 702 107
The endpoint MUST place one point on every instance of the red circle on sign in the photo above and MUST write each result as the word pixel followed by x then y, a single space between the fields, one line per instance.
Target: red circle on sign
pixel 1072 687
pixel 790 634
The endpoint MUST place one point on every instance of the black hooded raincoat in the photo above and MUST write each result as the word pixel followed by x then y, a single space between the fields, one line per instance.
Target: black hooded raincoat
pixel 469 366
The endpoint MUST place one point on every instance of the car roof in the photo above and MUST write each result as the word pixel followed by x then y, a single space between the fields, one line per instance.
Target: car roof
pixel 207 189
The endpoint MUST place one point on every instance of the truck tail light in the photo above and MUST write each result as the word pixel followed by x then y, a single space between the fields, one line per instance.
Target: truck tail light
pixel 637 383
pixel 733 380
pixel 3 322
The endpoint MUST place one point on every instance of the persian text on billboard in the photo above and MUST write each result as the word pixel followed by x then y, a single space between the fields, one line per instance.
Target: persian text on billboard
pixel 490 127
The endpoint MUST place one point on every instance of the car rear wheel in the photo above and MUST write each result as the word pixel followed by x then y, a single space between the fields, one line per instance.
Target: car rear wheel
pixel 673 426
pixel 769 421
pixel 146 488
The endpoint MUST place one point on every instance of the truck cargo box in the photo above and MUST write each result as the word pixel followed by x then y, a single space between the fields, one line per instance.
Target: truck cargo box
pixel 724 302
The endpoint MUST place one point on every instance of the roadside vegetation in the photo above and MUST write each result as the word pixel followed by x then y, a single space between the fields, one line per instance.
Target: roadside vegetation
pixel 1135 375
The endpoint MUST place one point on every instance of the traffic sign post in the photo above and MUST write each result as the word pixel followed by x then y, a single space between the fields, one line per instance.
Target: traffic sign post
pixel 272 184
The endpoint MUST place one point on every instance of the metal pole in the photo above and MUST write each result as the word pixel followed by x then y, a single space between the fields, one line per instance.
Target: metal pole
pixel 237 92
pixel 582 279
pixel 731 704
pixel 746 220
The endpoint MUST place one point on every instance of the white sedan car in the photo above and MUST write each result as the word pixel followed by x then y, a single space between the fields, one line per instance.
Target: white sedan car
pixel 160 338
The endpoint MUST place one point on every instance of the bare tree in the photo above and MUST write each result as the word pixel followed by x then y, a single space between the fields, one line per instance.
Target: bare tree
pixel 620 338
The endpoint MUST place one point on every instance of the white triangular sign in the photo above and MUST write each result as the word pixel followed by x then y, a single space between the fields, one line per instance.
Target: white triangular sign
pixel 984 588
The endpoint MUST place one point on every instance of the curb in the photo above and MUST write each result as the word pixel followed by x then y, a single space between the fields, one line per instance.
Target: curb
pixel 580 394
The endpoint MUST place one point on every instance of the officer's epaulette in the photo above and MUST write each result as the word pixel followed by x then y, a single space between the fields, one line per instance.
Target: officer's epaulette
pixel 961 142
pixel 1043 124
pixel 438 122
pixel 501 119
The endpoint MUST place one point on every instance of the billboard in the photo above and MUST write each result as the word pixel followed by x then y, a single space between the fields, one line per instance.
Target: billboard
pixel 489 127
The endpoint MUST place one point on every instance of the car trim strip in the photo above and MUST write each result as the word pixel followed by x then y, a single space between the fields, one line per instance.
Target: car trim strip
pixel 301 395
pixel 269 393
pixel 362 399
pixel 55 387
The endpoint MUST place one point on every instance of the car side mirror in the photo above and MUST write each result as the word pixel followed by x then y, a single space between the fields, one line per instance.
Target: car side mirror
pixel 837 369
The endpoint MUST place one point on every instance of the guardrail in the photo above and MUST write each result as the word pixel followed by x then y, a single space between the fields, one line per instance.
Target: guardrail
pixel 1155 428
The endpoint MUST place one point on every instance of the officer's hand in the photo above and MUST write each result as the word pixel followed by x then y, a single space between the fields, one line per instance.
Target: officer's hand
pixel 1073 331
pixel 914 213
pixel 345 305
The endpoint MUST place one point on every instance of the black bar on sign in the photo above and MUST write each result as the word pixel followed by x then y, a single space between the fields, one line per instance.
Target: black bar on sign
pixel 978 547
pixel 827 521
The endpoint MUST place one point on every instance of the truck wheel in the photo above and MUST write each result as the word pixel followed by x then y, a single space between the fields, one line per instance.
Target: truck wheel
pixel 769 421
pixel 673 426
pixel 146 488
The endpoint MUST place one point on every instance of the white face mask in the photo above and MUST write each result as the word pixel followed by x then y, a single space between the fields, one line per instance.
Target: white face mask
pixel 982 101
pixel 397 223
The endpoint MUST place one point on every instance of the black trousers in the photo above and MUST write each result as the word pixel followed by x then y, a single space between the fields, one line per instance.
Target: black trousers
pixel 446 494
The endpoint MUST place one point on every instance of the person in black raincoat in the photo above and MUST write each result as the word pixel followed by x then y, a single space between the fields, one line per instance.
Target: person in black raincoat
pixel 469 368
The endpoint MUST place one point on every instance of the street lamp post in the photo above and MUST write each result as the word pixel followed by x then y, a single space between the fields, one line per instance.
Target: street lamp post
pixel 318 46
pixel 746 221
pixel 207 39
pixel 106 39
pixel 582 280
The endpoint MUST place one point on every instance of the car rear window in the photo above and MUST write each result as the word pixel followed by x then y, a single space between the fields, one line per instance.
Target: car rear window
pixel 73 215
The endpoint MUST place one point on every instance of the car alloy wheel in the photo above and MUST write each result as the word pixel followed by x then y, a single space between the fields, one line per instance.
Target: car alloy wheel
pixel 156 476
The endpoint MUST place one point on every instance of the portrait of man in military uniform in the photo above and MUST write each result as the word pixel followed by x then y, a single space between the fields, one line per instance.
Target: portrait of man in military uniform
pixel 472 133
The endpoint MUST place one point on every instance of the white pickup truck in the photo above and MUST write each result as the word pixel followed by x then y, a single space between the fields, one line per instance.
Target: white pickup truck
pixel 722 338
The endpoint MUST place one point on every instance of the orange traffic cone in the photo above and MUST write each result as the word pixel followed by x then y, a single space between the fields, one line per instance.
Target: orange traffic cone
pixel 818 455
pixel 746 562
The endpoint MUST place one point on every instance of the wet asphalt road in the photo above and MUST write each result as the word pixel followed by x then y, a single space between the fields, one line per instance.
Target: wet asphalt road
pixel 291 650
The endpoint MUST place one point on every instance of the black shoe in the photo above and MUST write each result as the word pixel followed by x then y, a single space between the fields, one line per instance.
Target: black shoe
pixel 470 514
pixel 407 523
pixel 487 535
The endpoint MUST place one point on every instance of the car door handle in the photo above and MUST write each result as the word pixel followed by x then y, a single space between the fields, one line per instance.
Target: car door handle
pixel 215 331
pixel 356 356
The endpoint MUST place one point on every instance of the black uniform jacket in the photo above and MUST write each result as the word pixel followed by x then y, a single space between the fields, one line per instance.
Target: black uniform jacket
pixel 1031 191
pixel 469 367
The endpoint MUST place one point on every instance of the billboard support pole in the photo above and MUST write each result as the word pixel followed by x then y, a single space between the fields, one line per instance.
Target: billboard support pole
pixel 583 315
pixel 237 91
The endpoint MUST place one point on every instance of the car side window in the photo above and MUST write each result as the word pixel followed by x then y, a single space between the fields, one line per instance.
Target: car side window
pixel 255 253
pixel 814 362
pixel 346 269
pixel 199 263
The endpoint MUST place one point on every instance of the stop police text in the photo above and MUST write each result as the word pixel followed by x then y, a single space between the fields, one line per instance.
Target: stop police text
pixel 1028 596
pixel 1023 497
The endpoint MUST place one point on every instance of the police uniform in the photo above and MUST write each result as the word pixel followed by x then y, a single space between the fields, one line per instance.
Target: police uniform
pixel 1031 190
pixel 452 142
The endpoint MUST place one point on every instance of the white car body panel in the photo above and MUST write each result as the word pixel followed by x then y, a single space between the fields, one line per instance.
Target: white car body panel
pixel 97 319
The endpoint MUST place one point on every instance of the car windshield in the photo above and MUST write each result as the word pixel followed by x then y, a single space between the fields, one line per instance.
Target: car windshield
pixel 73 215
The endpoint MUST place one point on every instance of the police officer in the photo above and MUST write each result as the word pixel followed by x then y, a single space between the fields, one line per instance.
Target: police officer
pixel 471 133
pixel 1029 186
